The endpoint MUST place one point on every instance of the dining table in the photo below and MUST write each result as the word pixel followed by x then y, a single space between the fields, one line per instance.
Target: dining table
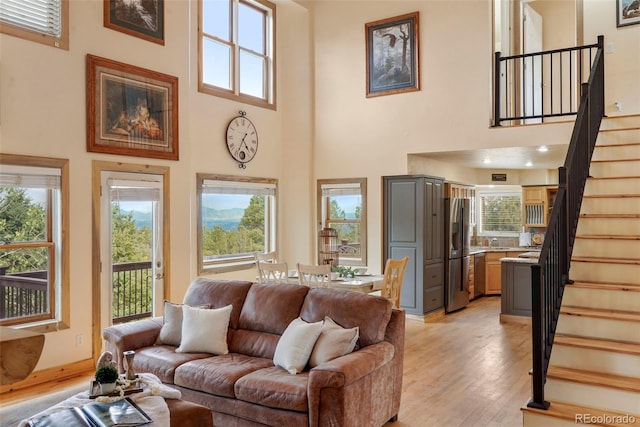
pixel 364 283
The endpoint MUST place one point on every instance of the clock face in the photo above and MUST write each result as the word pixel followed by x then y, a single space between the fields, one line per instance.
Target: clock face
pixel 242 139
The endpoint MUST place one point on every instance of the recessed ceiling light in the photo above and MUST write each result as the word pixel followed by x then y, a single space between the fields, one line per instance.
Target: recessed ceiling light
pixel 543 149
pixel 528 164
pixel 486 161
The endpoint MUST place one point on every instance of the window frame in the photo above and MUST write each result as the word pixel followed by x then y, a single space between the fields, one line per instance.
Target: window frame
pixel 271 211
pixel 514 191
pixel 59 286
pixel 270 55
pixel 61 42
pixel 323 206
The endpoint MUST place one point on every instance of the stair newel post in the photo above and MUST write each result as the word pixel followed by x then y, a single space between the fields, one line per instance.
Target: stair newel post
pixel 537 340
pixel 496 90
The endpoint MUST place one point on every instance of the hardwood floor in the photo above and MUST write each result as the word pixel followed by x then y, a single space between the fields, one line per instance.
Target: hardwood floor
pixel 466 369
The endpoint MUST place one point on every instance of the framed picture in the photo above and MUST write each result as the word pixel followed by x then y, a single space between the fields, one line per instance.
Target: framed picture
pixel 392 55
pixel 139 18
pixel 130 110
pixel 627 12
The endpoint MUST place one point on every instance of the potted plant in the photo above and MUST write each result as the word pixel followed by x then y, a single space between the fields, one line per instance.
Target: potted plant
pixel 107 376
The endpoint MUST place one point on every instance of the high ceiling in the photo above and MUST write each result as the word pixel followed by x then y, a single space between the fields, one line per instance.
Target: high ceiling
pixel 504 158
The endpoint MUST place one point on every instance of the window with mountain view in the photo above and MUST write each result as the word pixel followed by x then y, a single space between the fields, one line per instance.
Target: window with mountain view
pixel 236 218
pixel 32 255
pixel 342 206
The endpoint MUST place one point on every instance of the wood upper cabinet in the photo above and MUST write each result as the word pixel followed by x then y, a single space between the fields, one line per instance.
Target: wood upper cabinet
pixel 536 205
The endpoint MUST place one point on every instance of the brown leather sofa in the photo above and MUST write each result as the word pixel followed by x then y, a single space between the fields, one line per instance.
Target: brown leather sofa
pixel 244 388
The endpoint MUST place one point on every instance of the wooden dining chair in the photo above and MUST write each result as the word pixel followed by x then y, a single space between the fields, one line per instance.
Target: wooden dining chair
pixel 273 272
pixel 393 276
pixel 315 276
pixel 264 258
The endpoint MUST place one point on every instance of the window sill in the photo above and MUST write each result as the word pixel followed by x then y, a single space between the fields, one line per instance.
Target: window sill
pixel 227 267
pixel 42 327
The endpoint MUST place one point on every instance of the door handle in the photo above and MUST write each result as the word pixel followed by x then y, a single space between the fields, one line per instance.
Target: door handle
pixel 159 276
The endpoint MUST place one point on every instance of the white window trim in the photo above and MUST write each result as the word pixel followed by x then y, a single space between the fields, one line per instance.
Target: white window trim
pixel 505 190
pixel 234 93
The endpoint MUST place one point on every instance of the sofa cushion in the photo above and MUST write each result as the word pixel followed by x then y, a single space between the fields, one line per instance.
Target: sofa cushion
pixel 218 375
pixel 267 311
pixel 171 331
pixel 162 361
pixel 204 330
pixel 275 388
pixel 296 344
pixel 217 294
pixel 334 341
pixel 369 313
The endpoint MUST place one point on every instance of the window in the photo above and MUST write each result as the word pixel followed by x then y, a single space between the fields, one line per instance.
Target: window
pixel 499 211
pixel 237 217
pixel 237 50
pixel 42 21
pixel 33 254
pixel 342 205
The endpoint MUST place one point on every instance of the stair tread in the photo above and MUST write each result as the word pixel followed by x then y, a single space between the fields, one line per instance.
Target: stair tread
pixel 597 344
pixel 600 313
pixel 605 260
pixel 634 287
pixel 594 378
pixel 617 216
pixel 607 236
pixel 569 412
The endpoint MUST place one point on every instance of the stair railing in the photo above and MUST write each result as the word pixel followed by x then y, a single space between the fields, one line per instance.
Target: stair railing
pixel 550 274
pixel 533 87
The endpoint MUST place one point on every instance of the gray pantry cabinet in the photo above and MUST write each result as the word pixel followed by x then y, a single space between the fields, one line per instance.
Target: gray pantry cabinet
pixel 413 226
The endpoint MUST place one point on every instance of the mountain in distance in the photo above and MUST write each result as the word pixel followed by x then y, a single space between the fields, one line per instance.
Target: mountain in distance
pixel 228 219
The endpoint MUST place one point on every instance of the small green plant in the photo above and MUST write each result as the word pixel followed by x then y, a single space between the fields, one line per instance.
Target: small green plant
pixel 107 374
pixel 345 271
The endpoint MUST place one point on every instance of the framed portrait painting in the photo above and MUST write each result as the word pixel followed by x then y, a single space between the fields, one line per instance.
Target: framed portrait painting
pixel 130 110
pixel 139 18
pixel 627 12
pixel 392 55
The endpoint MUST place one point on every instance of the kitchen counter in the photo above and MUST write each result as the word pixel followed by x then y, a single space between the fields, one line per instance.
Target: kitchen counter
pixel 478 249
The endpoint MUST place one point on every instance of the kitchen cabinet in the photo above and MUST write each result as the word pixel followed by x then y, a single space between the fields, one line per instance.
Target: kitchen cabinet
pixel 493 271
pixel 413 226
pixel 537 202
pixel 479 274
pixel 516 292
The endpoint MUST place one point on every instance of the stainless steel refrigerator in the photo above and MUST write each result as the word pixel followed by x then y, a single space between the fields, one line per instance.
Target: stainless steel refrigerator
pixel 458 239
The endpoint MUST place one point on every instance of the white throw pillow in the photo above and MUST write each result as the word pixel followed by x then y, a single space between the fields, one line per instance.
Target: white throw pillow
pixel 295 345
pixel 171 331
pixel 204 330
pixel 334 341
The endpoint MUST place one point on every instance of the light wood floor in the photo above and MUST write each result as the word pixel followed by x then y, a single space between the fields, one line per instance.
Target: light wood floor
pixel 466 370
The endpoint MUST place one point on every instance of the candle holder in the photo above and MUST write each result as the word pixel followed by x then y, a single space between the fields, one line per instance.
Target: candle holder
pixel 128 365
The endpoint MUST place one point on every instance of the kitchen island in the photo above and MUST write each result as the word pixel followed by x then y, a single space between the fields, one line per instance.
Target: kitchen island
pixel 516 287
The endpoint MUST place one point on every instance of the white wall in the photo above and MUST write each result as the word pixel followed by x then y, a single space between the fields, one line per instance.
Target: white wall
pixel 43 98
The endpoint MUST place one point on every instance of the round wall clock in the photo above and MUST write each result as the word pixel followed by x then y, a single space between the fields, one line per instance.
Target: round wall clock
pixel 242 139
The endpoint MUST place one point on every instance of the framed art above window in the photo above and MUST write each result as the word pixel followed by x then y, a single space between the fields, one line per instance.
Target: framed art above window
pixel 392 55
pixel 627 12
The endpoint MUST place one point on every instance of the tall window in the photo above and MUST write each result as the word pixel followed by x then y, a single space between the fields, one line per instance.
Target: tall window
pixel 237 217
pixel 499 211
pixel 342 205
pixel 42 21
pixel 237 50
pixel 33 261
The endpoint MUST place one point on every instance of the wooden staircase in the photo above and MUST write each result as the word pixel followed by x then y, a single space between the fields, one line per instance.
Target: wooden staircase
pixel 594 370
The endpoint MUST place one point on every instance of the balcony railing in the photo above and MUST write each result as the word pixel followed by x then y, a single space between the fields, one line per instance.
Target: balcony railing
pixel 26 294
pixel 534 87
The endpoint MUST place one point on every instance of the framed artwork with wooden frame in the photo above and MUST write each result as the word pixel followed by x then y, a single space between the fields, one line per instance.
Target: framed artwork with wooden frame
pixel 130 110
pixel 142 18
pixel 392 55
pixel 627 12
